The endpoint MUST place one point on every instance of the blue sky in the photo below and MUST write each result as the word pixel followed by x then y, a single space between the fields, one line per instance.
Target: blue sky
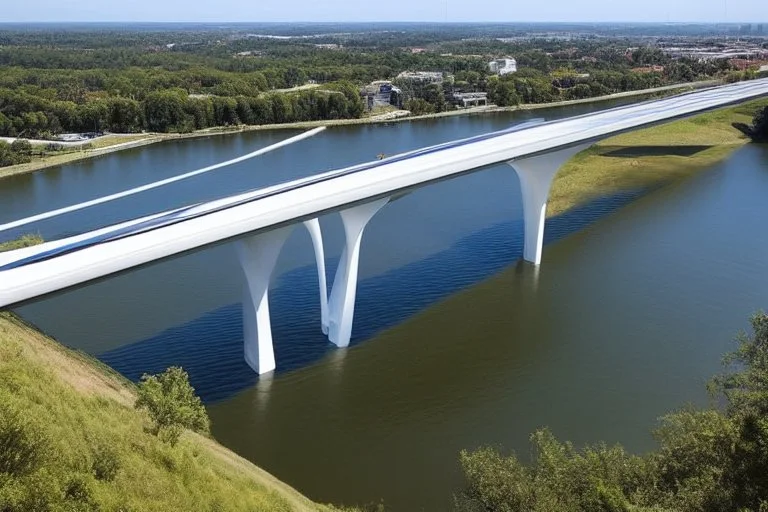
pixel 389 10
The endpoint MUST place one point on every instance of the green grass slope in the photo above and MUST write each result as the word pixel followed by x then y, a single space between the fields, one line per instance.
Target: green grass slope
pixel 91 450
pixel 648 158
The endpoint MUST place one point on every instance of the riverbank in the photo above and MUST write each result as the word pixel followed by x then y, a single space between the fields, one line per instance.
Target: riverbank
pixel 103 147
pixel 112 144
pixel 87 435
pixel 650 158
pixel 403 115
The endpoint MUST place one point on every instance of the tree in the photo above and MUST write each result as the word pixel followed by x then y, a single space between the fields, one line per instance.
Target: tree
pixel 294 76
pixel 759 129
pixel 678 72
pixel 419 106
pixel 433 94
pixel 125 115
pixel 10 157
pixel 580 91
pixel 92 116
pixel 165 111
pixel 21 147
pixel 172 404
pixel 502 93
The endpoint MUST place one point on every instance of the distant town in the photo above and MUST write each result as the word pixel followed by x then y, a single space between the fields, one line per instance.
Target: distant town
pixel 67 84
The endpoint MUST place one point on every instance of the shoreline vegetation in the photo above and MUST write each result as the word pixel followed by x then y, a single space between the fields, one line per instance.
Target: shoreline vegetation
pixel 113 143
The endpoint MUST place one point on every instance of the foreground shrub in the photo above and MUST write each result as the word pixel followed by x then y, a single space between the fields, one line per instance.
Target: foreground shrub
pixel 172 404
pixel 23 447
pixel 106 462
pixel 560 478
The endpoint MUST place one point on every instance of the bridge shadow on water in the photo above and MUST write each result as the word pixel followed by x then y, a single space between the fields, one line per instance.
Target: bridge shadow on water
pixel 210 348
pixel 641 151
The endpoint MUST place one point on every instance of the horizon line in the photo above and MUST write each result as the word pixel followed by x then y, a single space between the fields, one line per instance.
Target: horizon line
pixel 438 22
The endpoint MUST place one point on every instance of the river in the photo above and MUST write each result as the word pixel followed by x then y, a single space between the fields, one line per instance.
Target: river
pixel 456 344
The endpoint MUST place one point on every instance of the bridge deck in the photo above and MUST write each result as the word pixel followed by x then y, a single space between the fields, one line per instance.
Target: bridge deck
pixel 31 272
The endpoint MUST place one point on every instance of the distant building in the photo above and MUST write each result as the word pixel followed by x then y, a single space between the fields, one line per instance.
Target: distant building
pixel 503 66
pixel 421 77
pixel 72 137
pixel 418 50
pixel 381 93
pixel 466 99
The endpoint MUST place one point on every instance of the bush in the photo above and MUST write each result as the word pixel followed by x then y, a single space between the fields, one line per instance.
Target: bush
pixel 759 131
pixel 172 404
pixel 10 157
pixel 78 495
pixel 561 478
pixel 37 492
pixel 106 462
pixel 21 242
pixel 21 147
pixel 23 446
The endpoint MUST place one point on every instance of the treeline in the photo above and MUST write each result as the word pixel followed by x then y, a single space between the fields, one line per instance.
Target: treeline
pixel 18 152
pixel 33 112
pixel 276 61
pixel 532 87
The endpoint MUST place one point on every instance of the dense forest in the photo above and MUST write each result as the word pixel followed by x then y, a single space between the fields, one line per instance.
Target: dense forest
pixel 85 79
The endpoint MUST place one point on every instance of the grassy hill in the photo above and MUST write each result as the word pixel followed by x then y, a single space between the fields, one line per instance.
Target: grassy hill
pixel 69 431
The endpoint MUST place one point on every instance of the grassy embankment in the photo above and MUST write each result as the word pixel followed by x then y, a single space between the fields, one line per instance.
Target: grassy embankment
pixel 85 414
pixel 67 155
pixel 82 413
pixel 20 243
pixel 649 158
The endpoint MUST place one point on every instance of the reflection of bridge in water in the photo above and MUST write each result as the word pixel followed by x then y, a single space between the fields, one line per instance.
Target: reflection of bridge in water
pixel 261 220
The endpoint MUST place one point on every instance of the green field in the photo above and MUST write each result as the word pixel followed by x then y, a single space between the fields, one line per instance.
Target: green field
pixel 649 158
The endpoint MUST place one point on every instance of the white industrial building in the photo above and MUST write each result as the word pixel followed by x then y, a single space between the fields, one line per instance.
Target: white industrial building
pixel 422 77
pixel 503 66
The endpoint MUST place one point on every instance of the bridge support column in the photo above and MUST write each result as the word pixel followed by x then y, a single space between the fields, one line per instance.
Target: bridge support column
pixel 536 174
pixel 258 255
pixel 341 306
pixel 313 226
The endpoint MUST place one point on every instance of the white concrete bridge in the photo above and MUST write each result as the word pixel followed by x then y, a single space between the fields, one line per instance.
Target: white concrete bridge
pixel 260 221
